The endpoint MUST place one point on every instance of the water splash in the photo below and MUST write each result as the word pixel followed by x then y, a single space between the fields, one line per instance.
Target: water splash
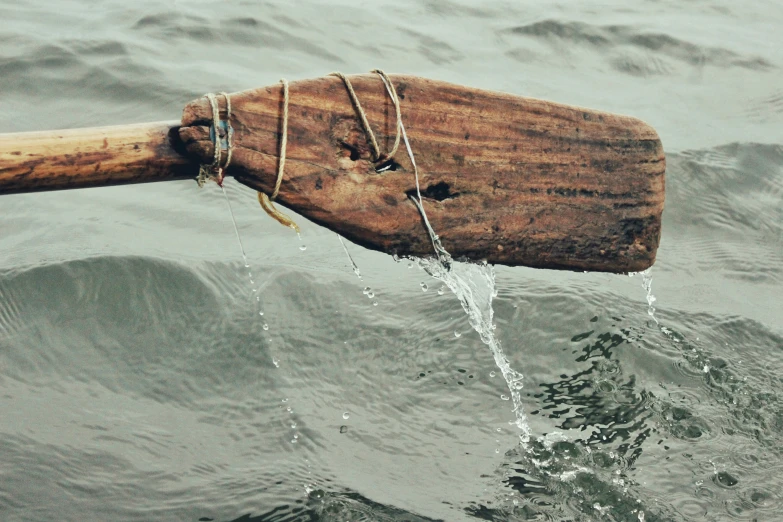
pixel 647 285
pixel 239 241
pixel 353 263
pixel 474 286
pixel 236 229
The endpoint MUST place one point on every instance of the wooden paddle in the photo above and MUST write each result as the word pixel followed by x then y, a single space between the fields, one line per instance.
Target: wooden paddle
pixel 507 179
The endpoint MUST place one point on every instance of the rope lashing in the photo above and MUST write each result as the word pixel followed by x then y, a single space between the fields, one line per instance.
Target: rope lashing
pixel 266 201
pixel 214 170
pixel 377 156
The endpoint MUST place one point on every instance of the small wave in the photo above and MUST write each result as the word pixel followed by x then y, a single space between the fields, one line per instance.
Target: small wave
pixel 766 109
pixel 632 51
pixel 245 31
pixel 732 194
pixel 149 327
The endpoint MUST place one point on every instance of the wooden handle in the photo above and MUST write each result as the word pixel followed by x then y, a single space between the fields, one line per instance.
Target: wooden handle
pixel 95 157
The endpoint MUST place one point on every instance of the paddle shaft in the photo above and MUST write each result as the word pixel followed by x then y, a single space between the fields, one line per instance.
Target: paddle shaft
pixel 94 157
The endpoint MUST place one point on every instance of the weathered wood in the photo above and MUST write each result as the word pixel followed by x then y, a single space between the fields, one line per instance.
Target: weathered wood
pixel 512 180
pixel 53 160
pixel 508 179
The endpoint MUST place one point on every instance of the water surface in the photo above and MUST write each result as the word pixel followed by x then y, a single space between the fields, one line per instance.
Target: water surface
pixel 137 381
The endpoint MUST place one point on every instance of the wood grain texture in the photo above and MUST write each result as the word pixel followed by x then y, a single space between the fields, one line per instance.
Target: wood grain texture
pixel 511 180
pixel 78 158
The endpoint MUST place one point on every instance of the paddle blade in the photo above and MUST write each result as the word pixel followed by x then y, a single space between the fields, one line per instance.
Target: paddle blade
pixel 506 179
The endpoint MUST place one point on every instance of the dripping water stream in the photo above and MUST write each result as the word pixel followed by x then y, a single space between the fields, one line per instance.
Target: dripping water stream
pixel 474 286
pixel 236 229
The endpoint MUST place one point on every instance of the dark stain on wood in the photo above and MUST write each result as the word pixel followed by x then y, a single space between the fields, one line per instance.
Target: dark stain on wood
pixel 440 191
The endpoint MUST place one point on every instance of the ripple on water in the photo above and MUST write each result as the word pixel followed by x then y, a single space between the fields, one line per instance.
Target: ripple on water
pixel 689 507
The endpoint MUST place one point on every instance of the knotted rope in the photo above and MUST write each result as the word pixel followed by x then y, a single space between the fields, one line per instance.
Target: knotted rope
pixel 266 201
pixel 214 171
pixel 377 156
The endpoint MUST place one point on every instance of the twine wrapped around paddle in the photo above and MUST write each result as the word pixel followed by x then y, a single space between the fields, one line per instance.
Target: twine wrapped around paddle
pixel 214 171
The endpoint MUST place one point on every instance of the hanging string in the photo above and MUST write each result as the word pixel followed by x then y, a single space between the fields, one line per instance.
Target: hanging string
pixel 263 199
pixel 442 254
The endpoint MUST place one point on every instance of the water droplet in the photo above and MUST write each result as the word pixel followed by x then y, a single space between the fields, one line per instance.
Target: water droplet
pixel 706 369
pixel 343 429
pixel 375 303
pixel 441 290
pixel 725 479
pixel 258 298
pixel 260 313
pixel 277 365
pixel 303 248
pixel 289 409
pixel 424 287
pixel 504 397
pixel 266 326
pixel 410 265
pixel 366 290
pixel 492 374
pixel 371 295
pixel 246 265
pixel 284 400
pixel 293 441
pixel 293 425
pixel 499 430
pixel 346 415
pixel 457 334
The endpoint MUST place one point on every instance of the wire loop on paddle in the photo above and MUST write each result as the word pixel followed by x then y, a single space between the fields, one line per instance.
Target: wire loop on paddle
pixel 222 134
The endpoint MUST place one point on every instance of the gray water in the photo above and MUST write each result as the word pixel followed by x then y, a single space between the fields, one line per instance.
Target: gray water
pixel 137 381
